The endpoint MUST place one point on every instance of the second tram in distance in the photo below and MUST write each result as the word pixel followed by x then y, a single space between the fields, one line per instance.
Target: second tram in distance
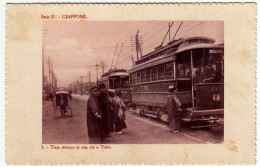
pixel 195 65
pixel 118 80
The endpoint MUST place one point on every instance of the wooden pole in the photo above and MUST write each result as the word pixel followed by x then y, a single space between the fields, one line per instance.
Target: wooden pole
pixel 89 80
pixel 103 66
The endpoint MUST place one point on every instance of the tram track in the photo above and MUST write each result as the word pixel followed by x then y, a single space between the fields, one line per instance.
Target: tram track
pixel 198 135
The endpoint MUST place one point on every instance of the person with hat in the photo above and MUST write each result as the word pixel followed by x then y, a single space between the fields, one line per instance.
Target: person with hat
pixel 119 109
pixel 106 110
pixel 174 110
pixel 94 124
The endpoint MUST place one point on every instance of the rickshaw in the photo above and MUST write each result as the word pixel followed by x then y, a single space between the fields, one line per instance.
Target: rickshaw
pixel 62 100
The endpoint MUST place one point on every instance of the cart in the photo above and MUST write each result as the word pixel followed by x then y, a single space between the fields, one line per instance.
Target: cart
pixel 63 102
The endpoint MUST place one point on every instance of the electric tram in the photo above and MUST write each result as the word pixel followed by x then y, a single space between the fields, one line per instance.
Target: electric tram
pixel 118 80
pixel 195 65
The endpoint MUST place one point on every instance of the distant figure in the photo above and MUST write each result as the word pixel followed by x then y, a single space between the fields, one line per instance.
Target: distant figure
pixel 106 110
pixel 209 71
pixel 63 104
pixel 50 96
pixel 94 124
pixel 174 110
pixel 119 108
pixel 70 96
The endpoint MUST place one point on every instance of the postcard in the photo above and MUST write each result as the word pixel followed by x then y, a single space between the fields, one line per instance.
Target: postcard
pixel 130 83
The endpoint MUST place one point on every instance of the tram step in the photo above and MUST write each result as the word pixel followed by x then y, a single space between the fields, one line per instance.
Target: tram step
pixel 203 126
pixel 150 115
pixel 204 120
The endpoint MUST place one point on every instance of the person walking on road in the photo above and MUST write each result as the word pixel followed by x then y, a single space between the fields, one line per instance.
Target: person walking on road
pixel 174 110
pixel 94 124
pixel 119 108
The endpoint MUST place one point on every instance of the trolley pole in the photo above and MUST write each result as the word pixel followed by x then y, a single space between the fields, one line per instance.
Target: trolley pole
pixel 170 32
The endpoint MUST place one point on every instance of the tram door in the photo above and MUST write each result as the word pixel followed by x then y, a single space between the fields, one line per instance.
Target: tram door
pixel 183 78
pixel 208 78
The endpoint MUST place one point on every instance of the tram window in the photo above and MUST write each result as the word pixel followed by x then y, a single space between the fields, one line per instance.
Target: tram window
pixel 193 41
pixel 207 66
pixel 111 83
pixel 154 73
pixel 169 70
pixel 198 61
pixel 161 73
pixel 183 66
pixel 148 74
pixel 143 76
pixel 138 76
pixel 134 78
pixel 124 82
pixel 117 82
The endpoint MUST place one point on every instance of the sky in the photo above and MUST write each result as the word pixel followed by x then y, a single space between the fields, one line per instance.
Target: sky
pixel 74 47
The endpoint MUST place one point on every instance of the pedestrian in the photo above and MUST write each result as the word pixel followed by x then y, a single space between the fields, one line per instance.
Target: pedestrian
pixel 106 110
pixel 119 108
pixel 94 124
pixel 174 110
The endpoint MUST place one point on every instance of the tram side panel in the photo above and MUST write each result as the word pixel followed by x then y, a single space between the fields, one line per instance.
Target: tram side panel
pixel 125 94
pixel 209 96
pixel 151 99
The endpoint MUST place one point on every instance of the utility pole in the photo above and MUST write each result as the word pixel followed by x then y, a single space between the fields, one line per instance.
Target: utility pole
pixel 89 77
pixel 43 81
pixel 80 83
pixel 96 66
pixel 137 45
pixel 103 66
pixel 97 71
pixel 49 72
pixel 74 87
pixel 52 77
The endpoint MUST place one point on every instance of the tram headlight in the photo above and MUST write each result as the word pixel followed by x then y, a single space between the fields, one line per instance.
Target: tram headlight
pixel 216 97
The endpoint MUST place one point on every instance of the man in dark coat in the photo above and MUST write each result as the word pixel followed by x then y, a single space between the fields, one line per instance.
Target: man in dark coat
pixel 106 110
pixel 174 110
pixel 94 123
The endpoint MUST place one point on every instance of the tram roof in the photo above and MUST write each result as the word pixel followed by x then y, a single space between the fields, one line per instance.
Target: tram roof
pixel 172 44
pixel 113 71
pixel 119 74
pixel 166 58
pixel 62 92
pixel 199 46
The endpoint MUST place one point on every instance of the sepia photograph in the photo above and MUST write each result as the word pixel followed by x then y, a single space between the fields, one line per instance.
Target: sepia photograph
pixel 133 82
